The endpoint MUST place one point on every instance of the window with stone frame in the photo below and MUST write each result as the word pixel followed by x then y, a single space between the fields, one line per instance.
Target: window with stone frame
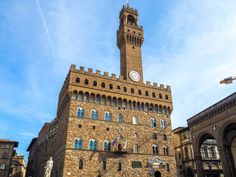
pixel 162 124
pixel 153 123
pixel 120 118
pixel 135 148
pixel 78 143
pixel 155 150
pixel 80 112
pixel 94 114
pixel 135 120
pixel 107 116
pixel 81 163
pixel 107 145
pixel 93 145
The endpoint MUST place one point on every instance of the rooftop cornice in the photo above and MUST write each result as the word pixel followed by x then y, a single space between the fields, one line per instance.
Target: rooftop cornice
pixel 213 110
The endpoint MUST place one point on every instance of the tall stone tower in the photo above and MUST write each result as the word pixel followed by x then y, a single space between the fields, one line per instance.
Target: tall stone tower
pixel 109 125
pixel 129 41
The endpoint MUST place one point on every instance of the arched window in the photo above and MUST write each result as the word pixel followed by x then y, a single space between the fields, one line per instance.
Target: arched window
pixel 92 145
pixel 86 82
pixel 165 150
pixel 135 148
pixel 98 98
pixel 131 19
pixel 81 163
pixel 163 124
pixel 118 87
pixel 153 94
pixel 154 136
pixel 95 83
pixel 107 145
pixel 166 97
pixel 80 96
pixel 164 137
pixel 94 115
pixel 80 112
pixel 107 116
pixel 103 85
pixel 120 118
pixel 139 92
pixel 135 120
pixel 155 149
pixel 160 95
pixel 78 144
pixel 77 80
pixel 110 86
pixel 125 89
pixel 132 90
pixel 146 93
pixel 153 123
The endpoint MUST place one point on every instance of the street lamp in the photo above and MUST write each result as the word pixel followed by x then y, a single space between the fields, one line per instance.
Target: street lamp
pixel 228 80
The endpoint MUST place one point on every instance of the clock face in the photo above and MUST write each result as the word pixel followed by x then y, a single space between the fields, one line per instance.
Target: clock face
pixel 134 75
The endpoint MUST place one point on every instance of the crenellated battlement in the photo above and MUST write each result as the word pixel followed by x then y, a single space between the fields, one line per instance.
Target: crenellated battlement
pixel 129 9
pixel 114 77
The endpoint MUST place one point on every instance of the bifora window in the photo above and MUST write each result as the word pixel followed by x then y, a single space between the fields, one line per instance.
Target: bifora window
pixel 107 145
pixel 155 149
pixel 107 116
pixel 78 143
pixel 153 123
pixel 120 118
pixel 163 124
pixel 93 145
pixel 94 114
pixel 80 112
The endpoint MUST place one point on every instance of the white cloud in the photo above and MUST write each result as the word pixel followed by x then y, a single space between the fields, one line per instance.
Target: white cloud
pixel 203 34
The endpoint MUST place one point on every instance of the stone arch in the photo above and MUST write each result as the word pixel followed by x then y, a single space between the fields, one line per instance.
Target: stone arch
pixel 119 104
pixel 156 108
pixel 201 144
pixel 138 106
pixel 80 95
pixel 103 100
pixel 228 145
pixel 86 96
pixel 74 95
pixel 151 108
pixel 109 100
pixel 146 107
pixel 124 103
pixel 134 105
pixel 98 98
pixel 92 98
pixel 114 101
pixel 129 104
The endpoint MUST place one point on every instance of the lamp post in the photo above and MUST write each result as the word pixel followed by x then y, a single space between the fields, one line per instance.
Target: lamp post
pixel 228 80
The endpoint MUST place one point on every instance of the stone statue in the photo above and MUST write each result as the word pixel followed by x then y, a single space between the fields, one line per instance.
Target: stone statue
pixel 48 168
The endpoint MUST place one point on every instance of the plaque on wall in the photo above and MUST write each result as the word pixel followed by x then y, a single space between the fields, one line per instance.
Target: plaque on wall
pixel 136 164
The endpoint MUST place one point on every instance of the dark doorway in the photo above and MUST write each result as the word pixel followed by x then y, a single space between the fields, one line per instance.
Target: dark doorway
pixel 157 174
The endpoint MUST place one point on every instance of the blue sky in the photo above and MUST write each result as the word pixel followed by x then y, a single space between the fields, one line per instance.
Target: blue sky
pixel 190 45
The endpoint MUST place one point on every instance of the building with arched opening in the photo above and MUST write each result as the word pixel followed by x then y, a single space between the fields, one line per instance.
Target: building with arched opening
pixel 206 148
pixel 108 125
